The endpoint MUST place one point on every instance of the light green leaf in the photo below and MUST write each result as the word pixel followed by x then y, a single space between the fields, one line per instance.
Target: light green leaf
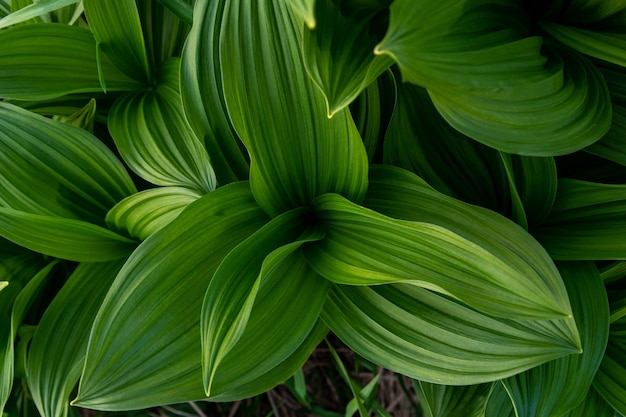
pixel 3 285
pixel 306 10
pixel 70 239
pixel 606 46
pixel 430 337
pixel 144 348
pixel 554 388
pixel 452 401
pixel 586 222
pixel 27 281
pixel 295 141
pixel 154 138
pixel 116 27
pixel 231 293
pixel 54 169
pixel 57 350
pixel 45 61
pixel 338 55
pixel 147 212
pixel 36 9
pixel 82 118
pixel 592 406
pixel 499 404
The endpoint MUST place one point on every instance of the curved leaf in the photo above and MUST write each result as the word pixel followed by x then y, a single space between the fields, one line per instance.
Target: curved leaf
pixel 338 55
pixel 147 212
pixel 144 347
pixel 181 8
pixel 499 404
pixel 45 61
pixel 586 222
pixel 116 27
pixel 593 406
pixel 306 10
pixel 554 388
pixel 610 381
pixel 154 138
pixel 70 239
pixel 3 285
pixel 54 169
pixel 57 350
pixel 452 401
pixel 295 141
pixel 432 338
pixel 34 10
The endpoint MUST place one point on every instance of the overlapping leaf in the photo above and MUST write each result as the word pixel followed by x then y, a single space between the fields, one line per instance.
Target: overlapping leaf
pixel 452 401
pixel 339 55
pixel 50 60
pixel 156 303
pixel 296 152
pixel 34 10
pixel 57 350
pixel 306 10
pixel 592 406
pixel 54 169
pixel 154 138
pixel 499 404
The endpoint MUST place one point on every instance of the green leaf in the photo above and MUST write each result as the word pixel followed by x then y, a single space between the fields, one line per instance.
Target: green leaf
pixel 338 55
pixel 44 61
pixel 82 118
pixel 147 212
pixel 557 387
pixel 3 285
pixel 295 141
pixel 610 381
pixel 144 348
pixel 306 10
pixel 57 350
pixel 26 283
pixel 430 337
pixel 231 293
pixel 154 138
pixel 70 239
pixel 451 401
pixel 116 27
pixel 586 222
pixel 36 9
pixel 54 169
pixel 499 404
pixel 592 406
pixel 181 8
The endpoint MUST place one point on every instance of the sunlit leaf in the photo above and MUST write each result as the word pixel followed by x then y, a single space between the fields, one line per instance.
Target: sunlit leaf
pixel 54 169
pixel 34 10
pixel 147 212
pixel 430 337
pixel 586 222
pixel 154 138
pixel 297 143
pixel 57 350
pixel 50 60
pixel 3 285
pixel 338 55
pixel 452 401
pixel 306 10
pixel 156 302
pixel 558 386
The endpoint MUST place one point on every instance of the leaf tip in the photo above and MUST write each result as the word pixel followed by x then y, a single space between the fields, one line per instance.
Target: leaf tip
pixel 310 22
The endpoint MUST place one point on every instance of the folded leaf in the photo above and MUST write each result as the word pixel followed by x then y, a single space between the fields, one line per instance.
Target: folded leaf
pixel 34 10
pixel 51 60
pixel 54 169
pixel 586 222
pixel 338 55
pixel 430 337
pixel 554 388
pixel 147 212
pixel 144 348
pixel 154 138
pixel 451 401
pixel 278 112
pixel 57 350
pixel 116 26
pixel 70 239
pixel 82 118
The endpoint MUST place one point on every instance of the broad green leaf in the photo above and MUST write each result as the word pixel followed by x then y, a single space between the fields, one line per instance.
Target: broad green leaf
pixel 82 118
pixel 452 401
pixel 592 406
pixel 36 9
pixel 117 29
pixel 181 8
pixel 70 239
pixel 54 169
pixel 27 283
pixel 57 350
pixel 154 138
pixel 203 95
pixel 281 322
pixel 306 10
pixel 338 55
pixel 499 404
pixel 610 381
pixel 278 112
pixel 586 222
pixel 554 388
pixel 427 336
pixel 155 304
pixel 231 293
pixel 147 212
pixel 606 46
pixel 50 60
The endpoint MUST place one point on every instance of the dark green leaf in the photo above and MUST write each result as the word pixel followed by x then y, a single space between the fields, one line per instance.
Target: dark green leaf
pixel 610 381
pixel 181 8
pixel 592 406
pixel 499 404
pixel 453 401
